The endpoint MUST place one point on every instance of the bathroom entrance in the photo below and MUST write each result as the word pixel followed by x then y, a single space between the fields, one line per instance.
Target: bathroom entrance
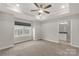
pixel 64 31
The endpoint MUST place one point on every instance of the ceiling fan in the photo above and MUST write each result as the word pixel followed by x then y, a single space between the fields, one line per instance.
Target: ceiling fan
pixel 41 8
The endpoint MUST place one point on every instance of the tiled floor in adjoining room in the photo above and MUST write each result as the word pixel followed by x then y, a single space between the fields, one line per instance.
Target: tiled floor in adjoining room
pixel 40 48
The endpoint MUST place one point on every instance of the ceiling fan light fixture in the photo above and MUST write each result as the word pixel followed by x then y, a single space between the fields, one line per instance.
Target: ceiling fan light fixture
pixel 40 11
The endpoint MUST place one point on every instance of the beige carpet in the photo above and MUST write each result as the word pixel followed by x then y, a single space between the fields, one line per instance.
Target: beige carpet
pixel 40 48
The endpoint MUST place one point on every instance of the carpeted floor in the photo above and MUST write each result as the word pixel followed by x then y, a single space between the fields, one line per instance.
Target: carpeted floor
pixel 40 48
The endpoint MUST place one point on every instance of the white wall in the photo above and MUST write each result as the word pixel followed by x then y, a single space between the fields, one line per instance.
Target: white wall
pixel 74 8
pixel 75 31
pixel 37 30
pixel 50 31
pixel 6 30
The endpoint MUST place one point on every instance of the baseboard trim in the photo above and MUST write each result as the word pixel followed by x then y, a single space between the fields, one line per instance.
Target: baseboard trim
pixel 21 41
pixel 51 40
pixel 6 47
pixel 75 46
pixel 38 39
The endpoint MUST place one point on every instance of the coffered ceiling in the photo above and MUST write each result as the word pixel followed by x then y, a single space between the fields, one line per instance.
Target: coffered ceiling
pixel 24 10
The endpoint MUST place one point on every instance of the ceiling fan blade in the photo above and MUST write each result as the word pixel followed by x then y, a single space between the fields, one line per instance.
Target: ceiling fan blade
pixel 48 6
pixel 47 12
pixel 34 10
pixel 36 4
pixel 41 6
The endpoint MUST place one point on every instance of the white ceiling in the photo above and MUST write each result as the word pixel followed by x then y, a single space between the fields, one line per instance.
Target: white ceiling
pixel 24 10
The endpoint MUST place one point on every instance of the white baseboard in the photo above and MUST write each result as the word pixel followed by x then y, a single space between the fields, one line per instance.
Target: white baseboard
pixel 75 46
pixel 51 40
pixel 6 47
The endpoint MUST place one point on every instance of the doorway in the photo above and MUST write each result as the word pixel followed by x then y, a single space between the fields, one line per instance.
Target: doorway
pixel 64 31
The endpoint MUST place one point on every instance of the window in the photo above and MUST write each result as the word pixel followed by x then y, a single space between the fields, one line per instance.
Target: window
pixel 22 30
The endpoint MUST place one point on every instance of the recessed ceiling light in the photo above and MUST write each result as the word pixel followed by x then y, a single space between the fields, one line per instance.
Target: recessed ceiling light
pixel 17 5
pixel 62 6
